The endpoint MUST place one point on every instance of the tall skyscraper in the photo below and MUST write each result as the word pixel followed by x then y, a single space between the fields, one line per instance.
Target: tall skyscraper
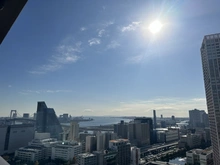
pixel 90 143
pixel 47 121
pixel 210 54
pixel 196 118
pixel 139 133
pixel 100 146
pixel 150 122
pixel 123 147
pixel 121 129
pixel 155 119
pixel 74 131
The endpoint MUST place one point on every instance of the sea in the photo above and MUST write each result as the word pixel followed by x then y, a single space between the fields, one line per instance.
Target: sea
pixel 102 120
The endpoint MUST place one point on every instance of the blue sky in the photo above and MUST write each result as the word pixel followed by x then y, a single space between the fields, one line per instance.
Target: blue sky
pixel 99 58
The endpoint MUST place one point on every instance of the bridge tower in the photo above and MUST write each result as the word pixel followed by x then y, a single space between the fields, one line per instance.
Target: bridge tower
pixel 13 113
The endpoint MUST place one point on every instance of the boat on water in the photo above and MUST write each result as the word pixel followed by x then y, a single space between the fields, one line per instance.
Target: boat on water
pixel 67 119
pixel 81 118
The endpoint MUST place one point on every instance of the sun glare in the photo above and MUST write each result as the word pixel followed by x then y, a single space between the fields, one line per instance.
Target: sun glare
pixel 155 27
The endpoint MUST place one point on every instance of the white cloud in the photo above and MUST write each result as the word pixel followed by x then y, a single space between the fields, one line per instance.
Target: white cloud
pixel 94 41
pixel 65 54
pixel 101 32
pixel 131 27
pixel 113 45
pixel 83 28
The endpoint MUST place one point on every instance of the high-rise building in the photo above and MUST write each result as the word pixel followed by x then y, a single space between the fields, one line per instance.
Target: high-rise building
pixel 109 136
pixel 210 54
pixel 150 122
pixel 139 133
pixel 74 131
pixel 196 118
pixel 155 119
pixel 121 129
pixel 47 121
pixel 135 155
pixel 100 141
pixel 123 147
pixel 90 144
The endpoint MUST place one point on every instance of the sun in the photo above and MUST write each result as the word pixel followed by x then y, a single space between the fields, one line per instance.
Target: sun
pixel 155 27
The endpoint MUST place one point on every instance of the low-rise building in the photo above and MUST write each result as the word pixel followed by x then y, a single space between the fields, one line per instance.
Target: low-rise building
pixel 190 141
pixel 38 149
pixel 31 153
pixel 167 134
pixel 86 159
pixel 200 157
pixel 66 151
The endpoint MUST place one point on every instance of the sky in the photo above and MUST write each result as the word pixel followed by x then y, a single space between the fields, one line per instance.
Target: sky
pixel 95 58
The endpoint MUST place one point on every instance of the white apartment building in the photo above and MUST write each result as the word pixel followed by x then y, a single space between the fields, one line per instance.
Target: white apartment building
pixel 38 149
pixel 31 153
pixel 87 159
pixel 199 156
pixel 66 151
pixel 135 155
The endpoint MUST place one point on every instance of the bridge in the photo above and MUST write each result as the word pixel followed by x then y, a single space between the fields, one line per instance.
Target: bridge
pixel 157 148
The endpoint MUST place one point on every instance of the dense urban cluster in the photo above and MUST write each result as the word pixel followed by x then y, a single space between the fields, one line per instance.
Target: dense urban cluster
pixel 43 139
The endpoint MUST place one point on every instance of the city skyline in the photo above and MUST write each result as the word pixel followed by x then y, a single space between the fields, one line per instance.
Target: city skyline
pixel 93 59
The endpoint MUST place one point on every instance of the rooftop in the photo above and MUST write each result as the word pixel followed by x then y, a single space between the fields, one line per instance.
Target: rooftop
pixel 200 151
pixel 85 155
pixel 119 140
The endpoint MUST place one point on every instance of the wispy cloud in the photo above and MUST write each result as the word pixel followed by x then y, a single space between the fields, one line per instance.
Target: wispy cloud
pixel 131 27
pixel 168 106
pixel 113 45
pixel 65 54
pixel 94 41
pixel 103 28
pixel 43 91
pixel 107 24
pixel 83 28
pixel 101 32
pixel 136 59
pixel 88 110
pixel 9 86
